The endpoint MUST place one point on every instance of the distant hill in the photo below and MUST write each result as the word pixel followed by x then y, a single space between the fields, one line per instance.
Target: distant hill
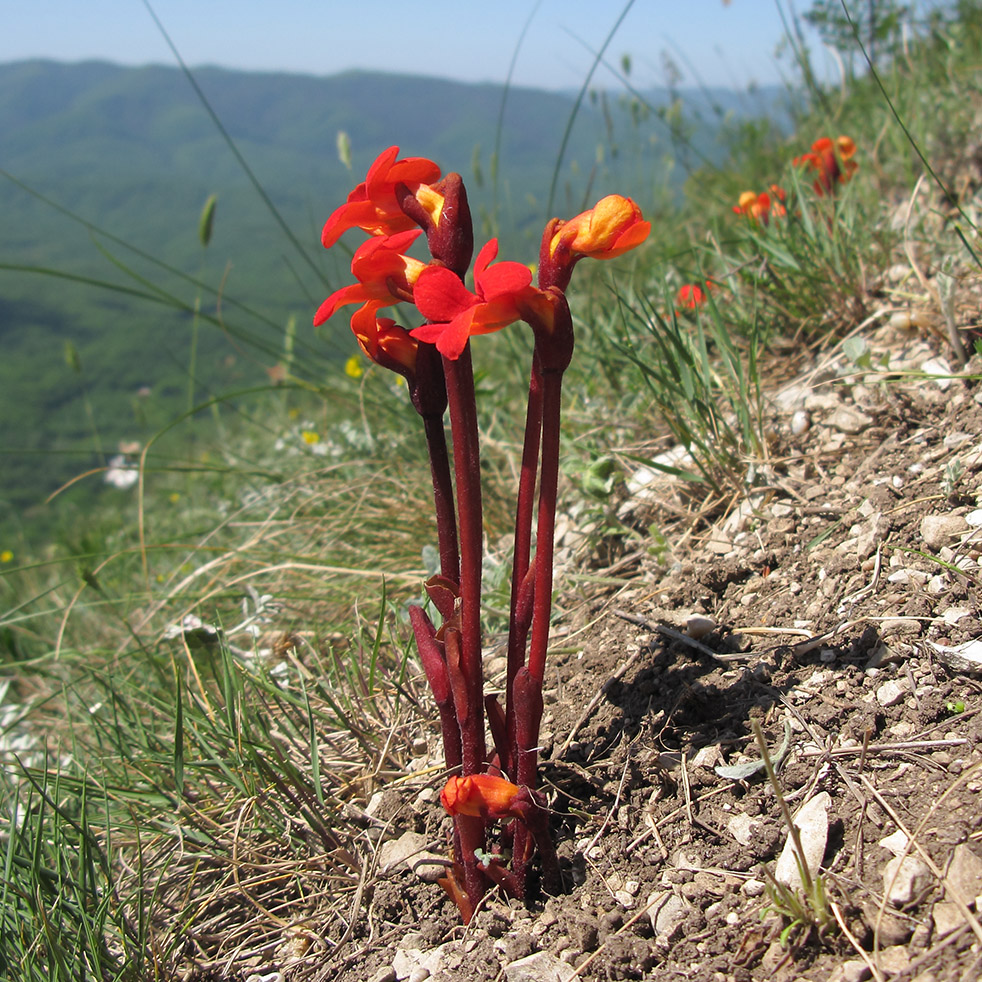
pixel 134 152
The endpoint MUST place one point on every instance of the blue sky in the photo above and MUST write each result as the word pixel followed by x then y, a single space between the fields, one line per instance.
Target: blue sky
pixel 713 42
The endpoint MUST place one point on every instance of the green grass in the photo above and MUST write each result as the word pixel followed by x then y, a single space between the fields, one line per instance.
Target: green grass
pixel 205 678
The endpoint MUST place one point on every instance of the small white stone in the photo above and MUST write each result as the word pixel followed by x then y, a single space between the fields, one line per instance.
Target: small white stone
pixel 698 626
pixel 800 422
pixel 892 692
pixel 812 822
pixel 942 530
pixel 539 967
pixel 904 879
pixel 896 842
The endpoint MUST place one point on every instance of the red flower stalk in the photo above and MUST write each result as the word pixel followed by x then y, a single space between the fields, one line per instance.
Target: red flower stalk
pixel 436 360
pixel 456 314
pixel 374 206
pixel 832 162
pixel 760 207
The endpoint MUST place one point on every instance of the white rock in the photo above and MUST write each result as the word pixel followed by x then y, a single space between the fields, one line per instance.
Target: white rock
pixel 942 530
pixel 539 967
pixel 848 419
pixel 800 422
pixel 410 848
pixel 895 843
pixel 947 917
pixel 965 657
pixel 812 822
pixel 954 614
pixel 892 692
pixel 753 888
pixel 741 826
pixel 904 879
pixel 939 367
pixel 964 875
pixel 666 911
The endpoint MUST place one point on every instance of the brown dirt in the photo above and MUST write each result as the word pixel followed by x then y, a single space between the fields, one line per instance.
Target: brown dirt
pixel 827 597
pixel 829 592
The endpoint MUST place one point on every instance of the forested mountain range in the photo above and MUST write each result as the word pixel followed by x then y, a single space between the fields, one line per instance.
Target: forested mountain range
pixel 107 168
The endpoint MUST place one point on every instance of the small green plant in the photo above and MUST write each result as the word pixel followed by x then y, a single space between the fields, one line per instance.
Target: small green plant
pixel 806 910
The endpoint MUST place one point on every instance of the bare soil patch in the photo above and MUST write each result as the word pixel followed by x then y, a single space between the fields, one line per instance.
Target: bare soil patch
pixel 830 601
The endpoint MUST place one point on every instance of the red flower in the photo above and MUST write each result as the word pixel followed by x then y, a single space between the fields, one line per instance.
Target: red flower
pixel 457 314
pixel 832 161
pixel 481 796
pixel 691 295
pixel 609 229
pixel 760 207
pixel 373 205
pixel 385 277
pixel 389 345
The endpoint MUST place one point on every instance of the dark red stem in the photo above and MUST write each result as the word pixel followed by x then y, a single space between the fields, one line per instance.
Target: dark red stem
pixel 467 473
pixel 446 522
pixel 552 383
pixel 518 622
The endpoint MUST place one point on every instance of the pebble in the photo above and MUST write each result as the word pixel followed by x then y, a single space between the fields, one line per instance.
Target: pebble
pixel 904 879
pixel 698 626
pixel 410 848
pixel 741 826
pixel 753 888
pixel 800 422
pixel 539 967
pixel 964 875
pixel 853 970
pixel 848 419
pixel 940 530
pixel 666 911
pixel 939 367
pixel 895 843
pixel 812 821
pixel 947 917
pixel 892 692
pixel 893 960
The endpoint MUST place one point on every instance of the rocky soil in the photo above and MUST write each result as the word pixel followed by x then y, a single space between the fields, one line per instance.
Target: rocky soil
pixel 837 607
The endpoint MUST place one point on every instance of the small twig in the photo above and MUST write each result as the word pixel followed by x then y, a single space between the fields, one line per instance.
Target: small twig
pixel 669 632
pixel 873 748
pixel 840 920
pixel 686 790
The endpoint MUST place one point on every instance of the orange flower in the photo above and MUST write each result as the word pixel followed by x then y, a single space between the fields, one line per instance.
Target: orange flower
pixel 760 207
pixel 691 295
pixel 373 205
pixel 391 346
pixel 457 314
pixel 385 277
pixel 480 796
pixel 832 161
pixel 613 226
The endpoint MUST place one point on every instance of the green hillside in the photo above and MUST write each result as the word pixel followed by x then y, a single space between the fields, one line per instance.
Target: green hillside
pixel 134 152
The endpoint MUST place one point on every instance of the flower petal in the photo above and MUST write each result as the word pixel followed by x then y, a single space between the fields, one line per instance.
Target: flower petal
pixel 440 296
